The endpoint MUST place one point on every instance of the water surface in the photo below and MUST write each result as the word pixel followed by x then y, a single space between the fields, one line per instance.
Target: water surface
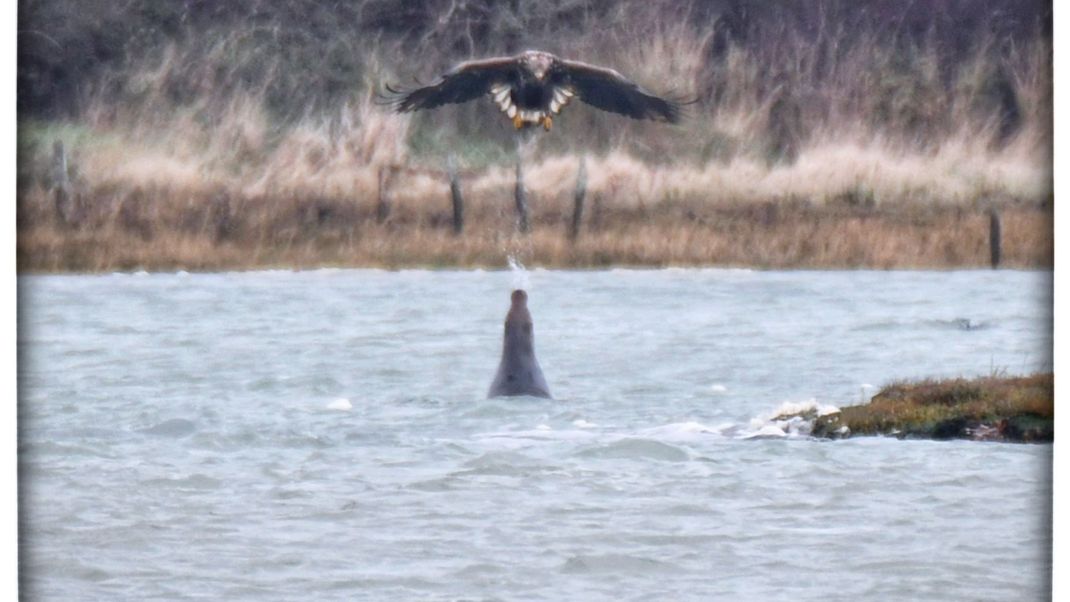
pixel 324 435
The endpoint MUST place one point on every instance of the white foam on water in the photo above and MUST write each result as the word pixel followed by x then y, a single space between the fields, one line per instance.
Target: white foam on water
pixel 341 404
pixel 768 431
pixel 684 431
pixel 789 419
pixel 718 388
pixel 789 408
pixel 583 424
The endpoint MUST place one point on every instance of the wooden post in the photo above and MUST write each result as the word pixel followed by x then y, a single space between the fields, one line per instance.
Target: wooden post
pixel 995 236
pixel 222 216
pixel 577 205
pixel 61 184
pixel 382 209
pixel 455 196
pixel 521 198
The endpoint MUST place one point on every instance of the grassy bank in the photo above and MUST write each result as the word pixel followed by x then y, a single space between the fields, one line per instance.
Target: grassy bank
pixel 223 233
pixel 996 408
pixel 350 194
pixel 244 135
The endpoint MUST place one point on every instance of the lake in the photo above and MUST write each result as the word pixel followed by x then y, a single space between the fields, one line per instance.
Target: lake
pixel 325 435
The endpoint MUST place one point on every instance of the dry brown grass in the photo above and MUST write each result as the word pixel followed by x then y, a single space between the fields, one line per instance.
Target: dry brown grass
pixel 312 200
pixel 159 229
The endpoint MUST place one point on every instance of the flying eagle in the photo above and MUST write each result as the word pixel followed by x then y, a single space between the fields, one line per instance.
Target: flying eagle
pixel 532 87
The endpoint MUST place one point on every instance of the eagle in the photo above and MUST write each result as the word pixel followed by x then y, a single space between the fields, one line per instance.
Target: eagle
pixel 533 86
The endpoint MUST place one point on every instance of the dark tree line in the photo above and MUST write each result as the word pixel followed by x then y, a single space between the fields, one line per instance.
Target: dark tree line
pixel 306 54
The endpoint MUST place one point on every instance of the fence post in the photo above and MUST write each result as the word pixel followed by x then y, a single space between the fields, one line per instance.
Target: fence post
pixel 995 235
pixel 521 198
pixel 61 184
pixel 577 205
pixel 455 196
pixel 382 208
pixel 595 223
pixel 223 216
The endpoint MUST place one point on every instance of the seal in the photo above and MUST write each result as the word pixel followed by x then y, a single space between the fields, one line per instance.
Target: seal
pixel 519 372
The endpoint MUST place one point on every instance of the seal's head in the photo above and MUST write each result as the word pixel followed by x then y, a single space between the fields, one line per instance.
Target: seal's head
pixel 518 326
pixel 520 298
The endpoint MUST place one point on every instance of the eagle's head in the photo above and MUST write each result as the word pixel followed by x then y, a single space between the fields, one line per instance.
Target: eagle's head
pixel 537 63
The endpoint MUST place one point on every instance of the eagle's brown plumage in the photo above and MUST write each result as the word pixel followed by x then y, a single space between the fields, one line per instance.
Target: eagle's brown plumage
pixel 532 87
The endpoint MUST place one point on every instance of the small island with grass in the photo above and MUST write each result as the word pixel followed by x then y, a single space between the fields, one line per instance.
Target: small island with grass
pixel 991 408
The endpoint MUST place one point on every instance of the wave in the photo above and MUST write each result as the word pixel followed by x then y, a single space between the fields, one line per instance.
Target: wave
pixel 341 404
pixel 616 564
pixel 175 427
pixel 684 431
pixel 791 419
pixel 637 449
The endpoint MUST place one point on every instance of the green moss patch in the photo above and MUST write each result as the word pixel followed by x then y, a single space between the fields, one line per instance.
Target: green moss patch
pixel 989 408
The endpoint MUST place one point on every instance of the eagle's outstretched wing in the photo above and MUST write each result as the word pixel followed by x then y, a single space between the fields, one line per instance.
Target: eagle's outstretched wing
pixel 465 82
pixel 608 90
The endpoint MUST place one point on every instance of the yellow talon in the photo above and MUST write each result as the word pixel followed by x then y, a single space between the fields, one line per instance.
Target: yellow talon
pixel 517 121
pixel 547 122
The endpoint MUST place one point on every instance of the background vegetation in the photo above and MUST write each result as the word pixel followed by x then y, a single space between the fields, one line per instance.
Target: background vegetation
pixel 203 134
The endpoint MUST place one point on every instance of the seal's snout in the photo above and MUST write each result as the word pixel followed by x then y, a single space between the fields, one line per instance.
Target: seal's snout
pixel 520 298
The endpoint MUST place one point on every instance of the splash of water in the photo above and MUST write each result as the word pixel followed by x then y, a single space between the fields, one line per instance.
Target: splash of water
pixel 520 273
pixel 791 419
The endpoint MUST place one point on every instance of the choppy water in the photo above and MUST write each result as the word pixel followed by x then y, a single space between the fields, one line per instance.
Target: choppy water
pixel 323 435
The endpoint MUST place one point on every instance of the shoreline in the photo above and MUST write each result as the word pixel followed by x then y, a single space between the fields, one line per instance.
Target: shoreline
pixel 505 268
pixel 770 236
